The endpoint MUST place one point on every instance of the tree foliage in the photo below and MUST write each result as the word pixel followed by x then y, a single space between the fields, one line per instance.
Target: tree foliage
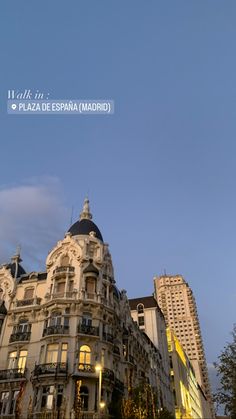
pixel 226 370
pixel 142 404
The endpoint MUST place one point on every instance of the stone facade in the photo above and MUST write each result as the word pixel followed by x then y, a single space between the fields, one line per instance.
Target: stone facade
pixel 68 342
pixel 150 319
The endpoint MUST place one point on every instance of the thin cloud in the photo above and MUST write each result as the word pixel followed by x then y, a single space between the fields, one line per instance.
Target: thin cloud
pixel 34 217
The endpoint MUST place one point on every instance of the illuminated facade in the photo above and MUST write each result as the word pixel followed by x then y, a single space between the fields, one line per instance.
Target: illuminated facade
pixel 185 386
pixel 57 326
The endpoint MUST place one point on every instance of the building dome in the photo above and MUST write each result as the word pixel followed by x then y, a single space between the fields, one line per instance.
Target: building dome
pixel 84 226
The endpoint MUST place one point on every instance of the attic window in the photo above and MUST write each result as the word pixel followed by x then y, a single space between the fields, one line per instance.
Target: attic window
pixel 140 308
pixel 29 292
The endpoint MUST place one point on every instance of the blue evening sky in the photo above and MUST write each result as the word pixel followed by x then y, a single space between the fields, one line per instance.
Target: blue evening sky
pixel 160 172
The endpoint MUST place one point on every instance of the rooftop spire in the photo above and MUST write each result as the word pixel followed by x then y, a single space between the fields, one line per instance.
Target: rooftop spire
pixel 16 259
pixel 86 214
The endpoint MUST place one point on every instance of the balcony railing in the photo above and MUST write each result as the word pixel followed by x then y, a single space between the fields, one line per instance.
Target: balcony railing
pixel 56 330
pixel 20 337
pixel 108 337
pixel 63 270
pixel 53 368
pixel 12 374
pixel 28 302
pixel 88 330
pixel 70 294
pixel 108 374
pixel 86 368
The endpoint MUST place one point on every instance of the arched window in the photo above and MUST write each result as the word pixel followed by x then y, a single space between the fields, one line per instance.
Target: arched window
pixel 85 355
pixel 140 308
pixel 84 396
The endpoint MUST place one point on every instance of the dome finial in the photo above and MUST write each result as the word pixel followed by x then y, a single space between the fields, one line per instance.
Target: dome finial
pixel 86 214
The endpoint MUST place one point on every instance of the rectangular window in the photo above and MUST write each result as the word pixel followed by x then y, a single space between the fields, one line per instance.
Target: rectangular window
pixel 87 319
pixel 52 353
pixel 12 360
pixel 71 286
pixel 60 389
pixel 141 320
pixel 90 286
pixel 60 288
pixel 4 402
pixel 13 402
pixel 41 355
pixel 22 360
pixel 29 292
pixel 47 397
pixel 64 348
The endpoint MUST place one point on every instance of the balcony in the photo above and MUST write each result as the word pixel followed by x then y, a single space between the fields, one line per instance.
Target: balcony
pixel 28 302
pixel 70 294
pixel 63 271
pixel 56 330
pixel 20 337
pixel 86 368
pixel 88 330
pixel 108 337
pixel 108 374
pixel 53 368
pixel 12 374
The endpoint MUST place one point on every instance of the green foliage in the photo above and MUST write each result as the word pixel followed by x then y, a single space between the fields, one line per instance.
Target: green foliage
pixel 226 370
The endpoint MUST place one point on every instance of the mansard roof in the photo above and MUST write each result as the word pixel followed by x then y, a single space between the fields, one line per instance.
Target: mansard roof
pixel 148 302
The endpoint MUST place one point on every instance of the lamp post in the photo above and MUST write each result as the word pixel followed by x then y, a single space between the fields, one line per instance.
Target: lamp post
pixel 98 369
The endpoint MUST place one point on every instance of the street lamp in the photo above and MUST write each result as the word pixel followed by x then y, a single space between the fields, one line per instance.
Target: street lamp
pixel 98 368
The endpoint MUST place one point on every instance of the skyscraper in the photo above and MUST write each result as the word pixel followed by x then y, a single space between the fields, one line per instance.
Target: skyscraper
pixel 178 305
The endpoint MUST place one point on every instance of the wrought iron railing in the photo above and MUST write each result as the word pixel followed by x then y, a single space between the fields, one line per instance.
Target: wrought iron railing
pixel 28 302
pixel 20 337
pixel 56 330
pixel 108 374
pixel 88 330
pixel 63 271
pixel 11 374
pixel 86 368
pixel 52 368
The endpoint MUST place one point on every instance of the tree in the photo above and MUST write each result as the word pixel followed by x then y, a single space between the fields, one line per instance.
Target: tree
pixel 226 370
pixel 143 404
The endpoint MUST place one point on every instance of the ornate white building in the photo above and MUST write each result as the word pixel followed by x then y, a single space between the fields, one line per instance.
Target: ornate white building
pixel 68 342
